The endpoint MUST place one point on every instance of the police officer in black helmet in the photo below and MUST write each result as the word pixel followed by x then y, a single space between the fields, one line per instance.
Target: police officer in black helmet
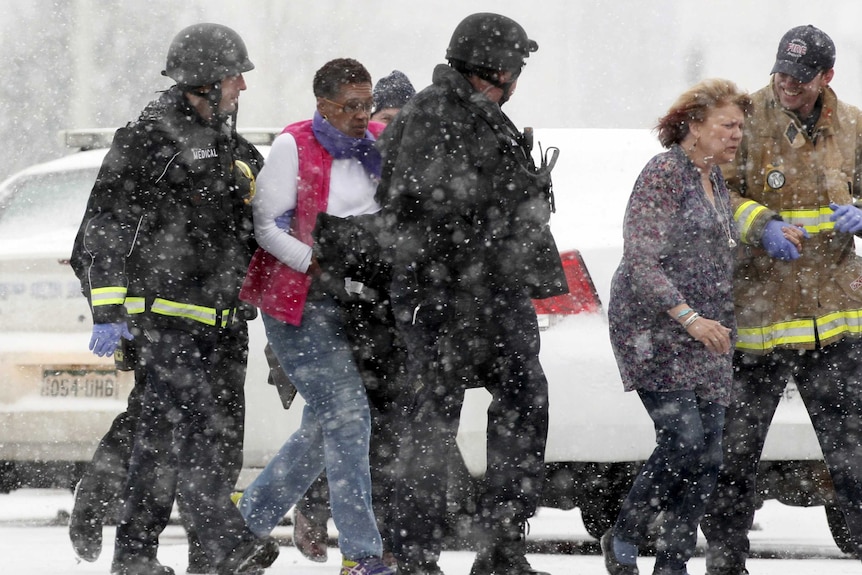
pixel 161 253
pixel 466 212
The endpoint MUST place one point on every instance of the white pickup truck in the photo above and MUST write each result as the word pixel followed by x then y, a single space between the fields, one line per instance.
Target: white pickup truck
pixel 57 399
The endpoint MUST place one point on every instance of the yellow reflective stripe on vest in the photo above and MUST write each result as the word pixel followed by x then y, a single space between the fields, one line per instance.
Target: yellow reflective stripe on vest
pixel 814 221
pixel 800 331
pixel 205 315
pixel 745 215
pixel 114 295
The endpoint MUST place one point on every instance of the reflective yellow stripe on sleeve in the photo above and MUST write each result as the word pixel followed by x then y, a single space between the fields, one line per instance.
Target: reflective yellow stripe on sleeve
pixel 814 221
pixel 745 215
pixel 113 295
pixel 135 305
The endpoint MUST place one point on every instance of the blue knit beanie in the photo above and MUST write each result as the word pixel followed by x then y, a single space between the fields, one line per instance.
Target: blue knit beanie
pixel 392 91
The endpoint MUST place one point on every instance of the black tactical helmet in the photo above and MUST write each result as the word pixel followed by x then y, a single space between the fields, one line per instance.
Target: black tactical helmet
pixel 203 54
pixel 491 41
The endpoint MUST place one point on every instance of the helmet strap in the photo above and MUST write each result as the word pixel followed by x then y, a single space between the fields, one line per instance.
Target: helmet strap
pixel 212 97
pixel 507 88
pixel 493 78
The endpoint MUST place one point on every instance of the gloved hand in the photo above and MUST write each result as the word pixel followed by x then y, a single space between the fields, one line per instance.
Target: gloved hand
pixel 282 222
pixel 847 218
pixel 776 245
pixel 106 337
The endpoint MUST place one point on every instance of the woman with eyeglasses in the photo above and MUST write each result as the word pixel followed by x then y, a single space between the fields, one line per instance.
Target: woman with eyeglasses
pixel 325 164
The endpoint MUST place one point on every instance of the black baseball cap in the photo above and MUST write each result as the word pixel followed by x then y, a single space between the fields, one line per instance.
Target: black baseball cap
pixel 803 52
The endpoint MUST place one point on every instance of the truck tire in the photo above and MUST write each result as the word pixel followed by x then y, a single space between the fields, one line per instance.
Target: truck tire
pixel 599 515
pixel 9 480
pixel 838 528
pixel 606 491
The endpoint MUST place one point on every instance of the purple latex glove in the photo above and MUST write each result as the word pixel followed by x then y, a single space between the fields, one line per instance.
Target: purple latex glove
pixel 776 245
pixel 847 218
pixel 106 337
pixel 283 221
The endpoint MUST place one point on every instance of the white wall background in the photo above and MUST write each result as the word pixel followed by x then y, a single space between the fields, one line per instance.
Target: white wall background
pixel 601 63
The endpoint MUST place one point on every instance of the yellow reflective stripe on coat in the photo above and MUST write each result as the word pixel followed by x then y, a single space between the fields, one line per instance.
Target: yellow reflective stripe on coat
pixel 135 305
pixel 839 323
pixel 205 315
pixel 745 215
pixel 114 295
pixel 814 220
pixel 799 331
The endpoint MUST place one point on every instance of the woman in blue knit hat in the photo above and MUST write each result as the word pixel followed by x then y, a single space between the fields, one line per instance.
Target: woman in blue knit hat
pixel 390 94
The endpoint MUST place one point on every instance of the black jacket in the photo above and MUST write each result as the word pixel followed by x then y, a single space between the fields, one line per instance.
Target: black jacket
pixel 169 215
pixel 467 209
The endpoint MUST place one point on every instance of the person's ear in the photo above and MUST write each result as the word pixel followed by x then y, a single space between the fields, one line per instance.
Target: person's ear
pixel 694 128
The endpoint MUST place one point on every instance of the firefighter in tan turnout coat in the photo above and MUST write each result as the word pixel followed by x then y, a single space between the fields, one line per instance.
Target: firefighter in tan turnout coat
pixel 798 286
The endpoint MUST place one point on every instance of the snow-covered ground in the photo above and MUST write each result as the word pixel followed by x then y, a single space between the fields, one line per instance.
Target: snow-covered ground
pixel 34 541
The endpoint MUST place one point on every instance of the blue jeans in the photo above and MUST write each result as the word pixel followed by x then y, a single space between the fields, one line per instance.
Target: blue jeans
pixel 678 477
pixel 334 433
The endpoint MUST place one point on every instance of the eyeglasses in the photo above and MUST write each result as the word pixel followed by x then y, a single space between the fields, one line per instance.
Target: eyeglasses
pixel 352 107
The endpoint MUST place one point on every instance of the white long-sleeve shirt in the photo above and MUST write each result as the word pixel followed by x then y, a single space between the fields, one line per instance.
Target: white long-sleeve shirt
pixel 351 193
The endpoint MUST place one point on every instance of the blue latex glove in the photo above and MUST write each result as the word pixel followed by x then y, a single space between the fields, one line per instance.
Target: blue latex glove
pixel 847 218
pixel 106 337
pixel 775 244
pixel 283 221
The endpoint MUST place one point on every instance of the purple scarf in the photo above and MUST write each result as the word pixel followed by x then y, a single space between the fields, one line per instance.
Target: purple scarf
pixel 342 146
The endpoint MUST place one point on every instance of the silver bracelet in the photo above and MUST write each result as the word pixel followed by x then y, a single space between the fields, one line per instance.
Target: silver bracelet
pixel 684 313
pixel 691 320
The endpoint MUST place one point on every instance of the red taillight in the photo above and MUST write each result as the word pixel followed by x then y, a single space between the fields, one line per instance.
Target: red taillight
pixel 582 296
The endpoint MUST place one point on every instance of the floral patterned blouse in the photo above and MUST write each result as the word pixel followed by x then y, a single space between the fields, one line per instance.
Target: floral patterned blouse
pixel 678 248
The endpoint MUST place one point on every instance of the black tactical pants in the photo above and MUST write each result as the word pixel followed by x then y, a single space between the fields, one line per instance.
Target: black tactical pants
pixel 188 441
pixel 830 383
pixel 492 344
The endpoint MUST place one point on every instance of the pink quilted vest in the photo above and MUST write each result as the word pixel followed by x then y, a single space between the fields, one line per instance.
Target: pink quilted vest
pixel 270 285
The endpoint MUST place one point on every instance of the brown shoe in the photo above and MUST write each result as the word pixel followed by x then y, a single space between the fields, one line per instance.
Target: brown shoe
pixel 309 538
pixel 389 559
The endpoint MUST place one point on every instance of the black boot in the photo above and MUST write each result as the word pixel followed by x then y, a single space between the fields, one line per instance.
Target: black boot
pixel 85 523
pixel 484 562
pixel 511 559
pixel 98 494
pixel 506 554
pixel 140 566
pixel 199 561
pixel 427 568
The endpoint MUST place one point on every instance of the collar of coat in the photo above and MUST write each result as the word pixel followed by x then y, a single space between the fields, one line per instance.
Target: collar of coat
pixel 794 127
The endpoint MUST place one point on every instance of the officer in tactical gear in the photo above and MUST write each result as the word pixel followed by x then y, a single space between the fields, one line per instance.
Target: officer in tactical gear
pixel 161 254
pixel 466 212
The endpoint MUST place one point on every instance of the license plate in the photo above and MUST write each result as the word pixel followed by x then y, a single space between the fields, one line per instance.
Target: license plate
pixel 87 384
